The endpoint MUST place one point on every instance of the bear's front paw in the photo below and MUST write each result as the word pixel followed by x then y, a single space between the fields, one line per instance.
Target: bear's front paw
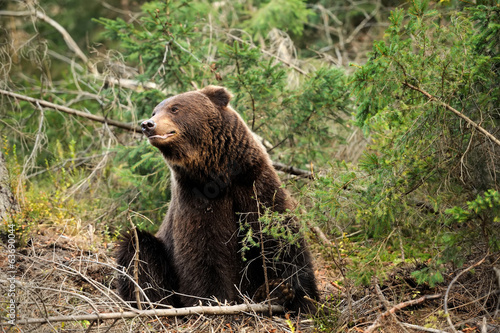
pixel 280 292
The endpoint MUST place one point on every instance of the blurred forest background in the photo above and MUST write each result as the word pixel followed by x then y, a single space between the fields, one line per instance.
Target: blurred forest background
pixel 382 116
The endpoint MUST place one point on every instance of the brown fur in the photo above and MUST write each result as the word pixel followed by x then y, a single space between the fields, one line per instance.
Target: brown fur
pixel 221 177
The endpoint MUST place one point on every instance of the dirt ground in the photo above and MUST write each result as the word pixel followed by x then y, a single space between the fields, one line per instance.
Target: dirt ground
pixel 58 275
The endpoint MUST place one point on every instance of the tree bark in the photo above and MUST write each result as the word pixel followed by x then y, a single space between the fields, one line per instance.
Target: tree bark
pixel 8 202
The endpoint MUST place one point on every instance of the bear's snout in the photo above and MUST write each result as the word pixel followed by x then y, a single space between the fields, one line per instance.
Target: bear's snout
pixel 148 126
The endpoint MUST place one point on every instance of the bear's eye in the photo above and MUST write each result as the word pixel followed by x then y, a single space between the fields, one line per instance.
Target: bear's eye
pixel 174 109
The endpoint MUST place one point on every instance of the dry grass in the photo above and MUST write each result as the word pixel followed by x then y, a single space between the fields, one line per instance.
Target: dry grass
pixel 60 275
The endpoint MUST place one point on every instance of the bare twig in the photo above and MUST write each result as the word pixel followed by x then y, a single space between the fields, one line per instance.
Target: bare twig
pixel 264 264
pixel 30 162
pixel 195 310
pixel 445 305
pixel 398 307
pixel 455 111
pixel 65 109
pixel 136 263
pixel 67 37
pixel 388 305
pixel 319 233
pixel 283 61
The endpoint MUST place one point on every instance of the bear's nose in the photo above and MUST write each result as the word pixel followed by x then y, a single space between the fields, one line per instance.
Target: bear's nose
pixel 148 125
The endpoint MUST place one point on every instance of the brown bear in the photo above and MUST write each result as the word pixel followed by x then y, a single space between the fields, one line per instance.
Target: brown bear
pixel 222 182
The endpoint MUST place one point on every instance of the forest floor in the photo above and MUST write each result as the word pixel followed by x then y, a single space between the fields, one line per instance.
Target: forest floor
pixel 59 275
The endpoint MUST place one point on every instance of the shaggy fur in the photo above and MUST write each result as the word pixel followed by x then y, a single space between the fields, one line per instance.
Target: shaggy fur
pixel 222 179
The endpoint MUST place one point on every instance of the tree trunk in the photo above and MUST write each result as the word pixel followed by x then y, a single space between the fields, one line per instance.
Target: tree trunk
pixel 8 202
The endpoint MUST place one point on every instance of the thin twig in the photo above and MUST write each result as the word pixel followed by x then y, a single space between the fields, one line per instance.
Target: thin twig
pixel 455 111
pixel 264 264
pixel 398 307
pixel 293 170
pixel 445 306
pixel 422 329
pixel 387 305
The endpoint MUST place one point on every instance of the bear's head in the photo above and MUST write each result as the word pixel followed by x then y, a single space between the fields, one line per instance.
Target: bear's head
pixel 185 126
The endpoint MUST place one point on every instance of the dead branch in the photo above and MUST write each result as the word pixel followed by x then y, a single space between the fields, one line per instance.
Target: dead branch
pixel 129 127
pixel 136 263
pixel 318 232
pixel 455 111
pixel 283 61
pixel 278 166
pixel 445 306
pixel 293 171
pixel 195 310
pixel 398 307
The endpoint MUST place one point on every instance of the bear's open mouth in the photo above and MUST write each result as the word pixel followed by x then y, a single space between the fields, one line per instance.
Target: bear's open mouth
pixel 164 136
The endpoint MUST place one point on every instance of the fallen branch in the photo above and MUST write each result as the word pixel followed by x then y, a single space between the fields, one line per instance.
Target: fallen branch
pixel 65 109
pixel 455 111
pixel 398 307
pixel 195 310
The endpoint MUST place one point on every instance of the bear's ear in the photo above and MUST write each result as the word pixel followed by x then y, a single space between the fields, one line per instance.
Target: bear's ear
pixel 218 95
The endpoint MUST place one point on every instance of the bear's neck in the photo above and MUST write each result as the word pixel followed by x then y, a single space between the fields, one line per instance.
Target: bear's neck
pixel 231 155
pixel 225 171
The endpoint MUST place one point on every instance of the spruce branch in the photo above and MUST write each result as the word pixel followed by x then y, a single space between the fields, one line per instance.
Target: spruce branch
pixel 455 111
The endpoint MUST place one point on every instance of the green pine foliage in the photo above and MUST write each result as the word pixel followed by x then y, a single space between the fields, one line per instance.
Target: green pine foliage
pixel 425 164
